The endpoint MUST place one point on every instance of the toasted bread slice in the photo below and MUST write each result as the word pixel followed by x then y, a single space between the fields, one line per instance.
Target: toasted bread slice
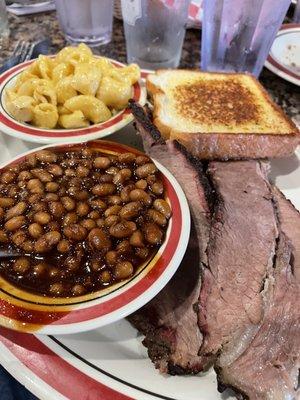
pixel 220 116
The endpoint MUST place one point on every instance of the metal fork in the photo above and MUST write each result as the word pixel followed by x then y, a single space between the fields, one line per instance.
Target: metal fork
pixel 22 52
pixel 10 254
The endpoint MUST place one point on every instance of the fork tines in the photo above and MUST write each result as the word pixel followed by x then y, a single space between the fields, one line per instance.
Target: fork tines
pixel 23 50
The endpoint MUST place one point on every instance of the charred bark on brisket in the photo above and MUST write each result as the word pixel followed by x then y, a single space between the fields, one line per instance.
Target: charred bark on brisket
pixel 170 321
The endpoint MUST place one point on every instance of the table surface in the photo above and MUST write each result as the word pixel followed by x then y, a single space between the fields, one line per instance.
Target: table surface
pixel 36 27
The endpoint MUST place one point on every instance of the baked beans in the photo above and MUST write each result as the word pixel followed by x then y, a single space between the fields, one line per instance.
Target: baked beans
pixel 82 220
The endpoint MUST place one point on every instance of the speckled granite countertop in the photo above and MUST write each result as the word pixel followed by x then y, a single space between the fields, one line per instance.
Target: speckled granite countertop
pixel 35 27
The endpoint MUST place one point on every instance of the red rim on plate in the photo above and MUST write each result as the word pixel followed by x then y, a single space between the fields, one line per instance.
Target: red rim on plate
pixel 30 133
pixel 35 313
pixel 53 370
pixel 278 68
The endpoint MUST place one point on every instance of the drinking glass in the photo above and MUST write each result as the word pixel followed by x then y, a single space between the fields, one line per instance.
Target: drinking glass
pixel 88 21
pixel 154 31
pixel 4 31
pixel 237 34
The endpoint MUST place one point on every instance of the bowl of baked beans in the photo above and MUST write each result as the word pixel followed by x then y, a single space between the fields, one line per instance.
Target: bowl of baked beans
pixel 92 231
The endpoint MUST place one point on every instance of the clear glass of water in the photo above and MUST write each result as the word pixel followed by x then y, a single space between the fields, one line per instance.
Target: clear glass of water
pixel 4 30
pixel 237 34
pixel 154 31
pixel 86 21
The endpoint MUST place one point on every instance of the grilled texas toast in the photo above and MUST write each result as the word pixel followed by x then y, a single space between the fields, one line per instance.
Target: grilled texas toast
pixel 220 116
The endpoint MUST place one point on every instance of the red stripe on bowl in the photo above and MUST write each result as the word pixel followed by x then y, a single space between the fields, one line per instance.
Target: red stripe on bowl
pixel 54 370
pixel 11 71
pixel 49 133
pixel 144 74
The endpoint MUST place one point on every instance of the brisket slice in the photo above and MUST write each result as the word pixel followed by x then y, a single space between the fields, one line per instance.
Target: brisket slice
pixel 240 251
pixel 249 304
pixel 289 219
pixel 269 368
pixel 187 170
pixel 169 322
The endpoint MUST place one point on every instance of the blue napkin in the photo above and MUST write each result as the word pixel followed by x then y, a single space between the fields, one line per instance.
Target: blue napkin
pixel 10 389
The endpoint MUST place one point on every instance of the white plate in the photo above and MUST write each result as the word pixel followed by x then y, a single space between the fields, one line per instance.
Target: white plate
pixel 31 133
pixel 284 57
pixel 111 363
pixel 105 364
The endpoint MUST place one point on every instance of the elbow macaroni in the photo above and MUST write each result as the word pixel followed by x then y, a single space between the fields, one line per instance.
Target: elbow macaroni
pixel 72 90
pixel 114 93
pixel 92 108
pixel 86 78
pixel 64 90
pixel 22 107
pixel 45 115
pixel 75 120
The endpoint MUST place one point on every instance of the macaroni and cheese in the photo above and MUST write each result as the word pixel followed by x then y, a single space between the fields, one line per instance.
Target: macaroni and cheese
pixel 71 90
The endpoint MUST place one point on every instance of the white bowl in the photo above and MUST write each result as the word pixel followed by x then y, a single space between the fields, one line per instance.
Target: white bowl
pixel 27 312
pixel 30 133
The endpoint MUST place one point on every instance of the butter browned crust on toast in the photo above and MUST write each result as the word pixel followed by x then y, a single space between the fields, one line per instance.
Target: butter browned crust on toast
pixel 220 116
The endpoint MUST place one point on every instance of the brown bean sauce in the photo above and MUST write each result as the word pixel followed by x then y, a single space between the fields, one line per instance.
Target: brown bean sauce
pixel 84 220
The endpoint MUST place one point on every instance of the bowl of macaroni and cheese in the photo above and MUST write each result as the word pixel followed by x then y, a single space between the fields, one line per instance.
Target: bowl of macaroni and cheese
pixel 72 96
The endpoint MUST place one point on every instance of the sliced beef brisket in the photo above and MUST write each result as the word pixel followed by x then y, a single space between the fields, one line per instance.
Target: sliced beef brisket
pixel 247 250
pixel 169 322
pixel 289 219
pixel 269 367
pixel 241 249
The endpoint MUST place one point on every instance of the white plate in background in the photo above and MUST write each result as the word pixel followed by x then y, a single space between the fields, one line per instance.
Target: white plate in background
pixel 284 57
